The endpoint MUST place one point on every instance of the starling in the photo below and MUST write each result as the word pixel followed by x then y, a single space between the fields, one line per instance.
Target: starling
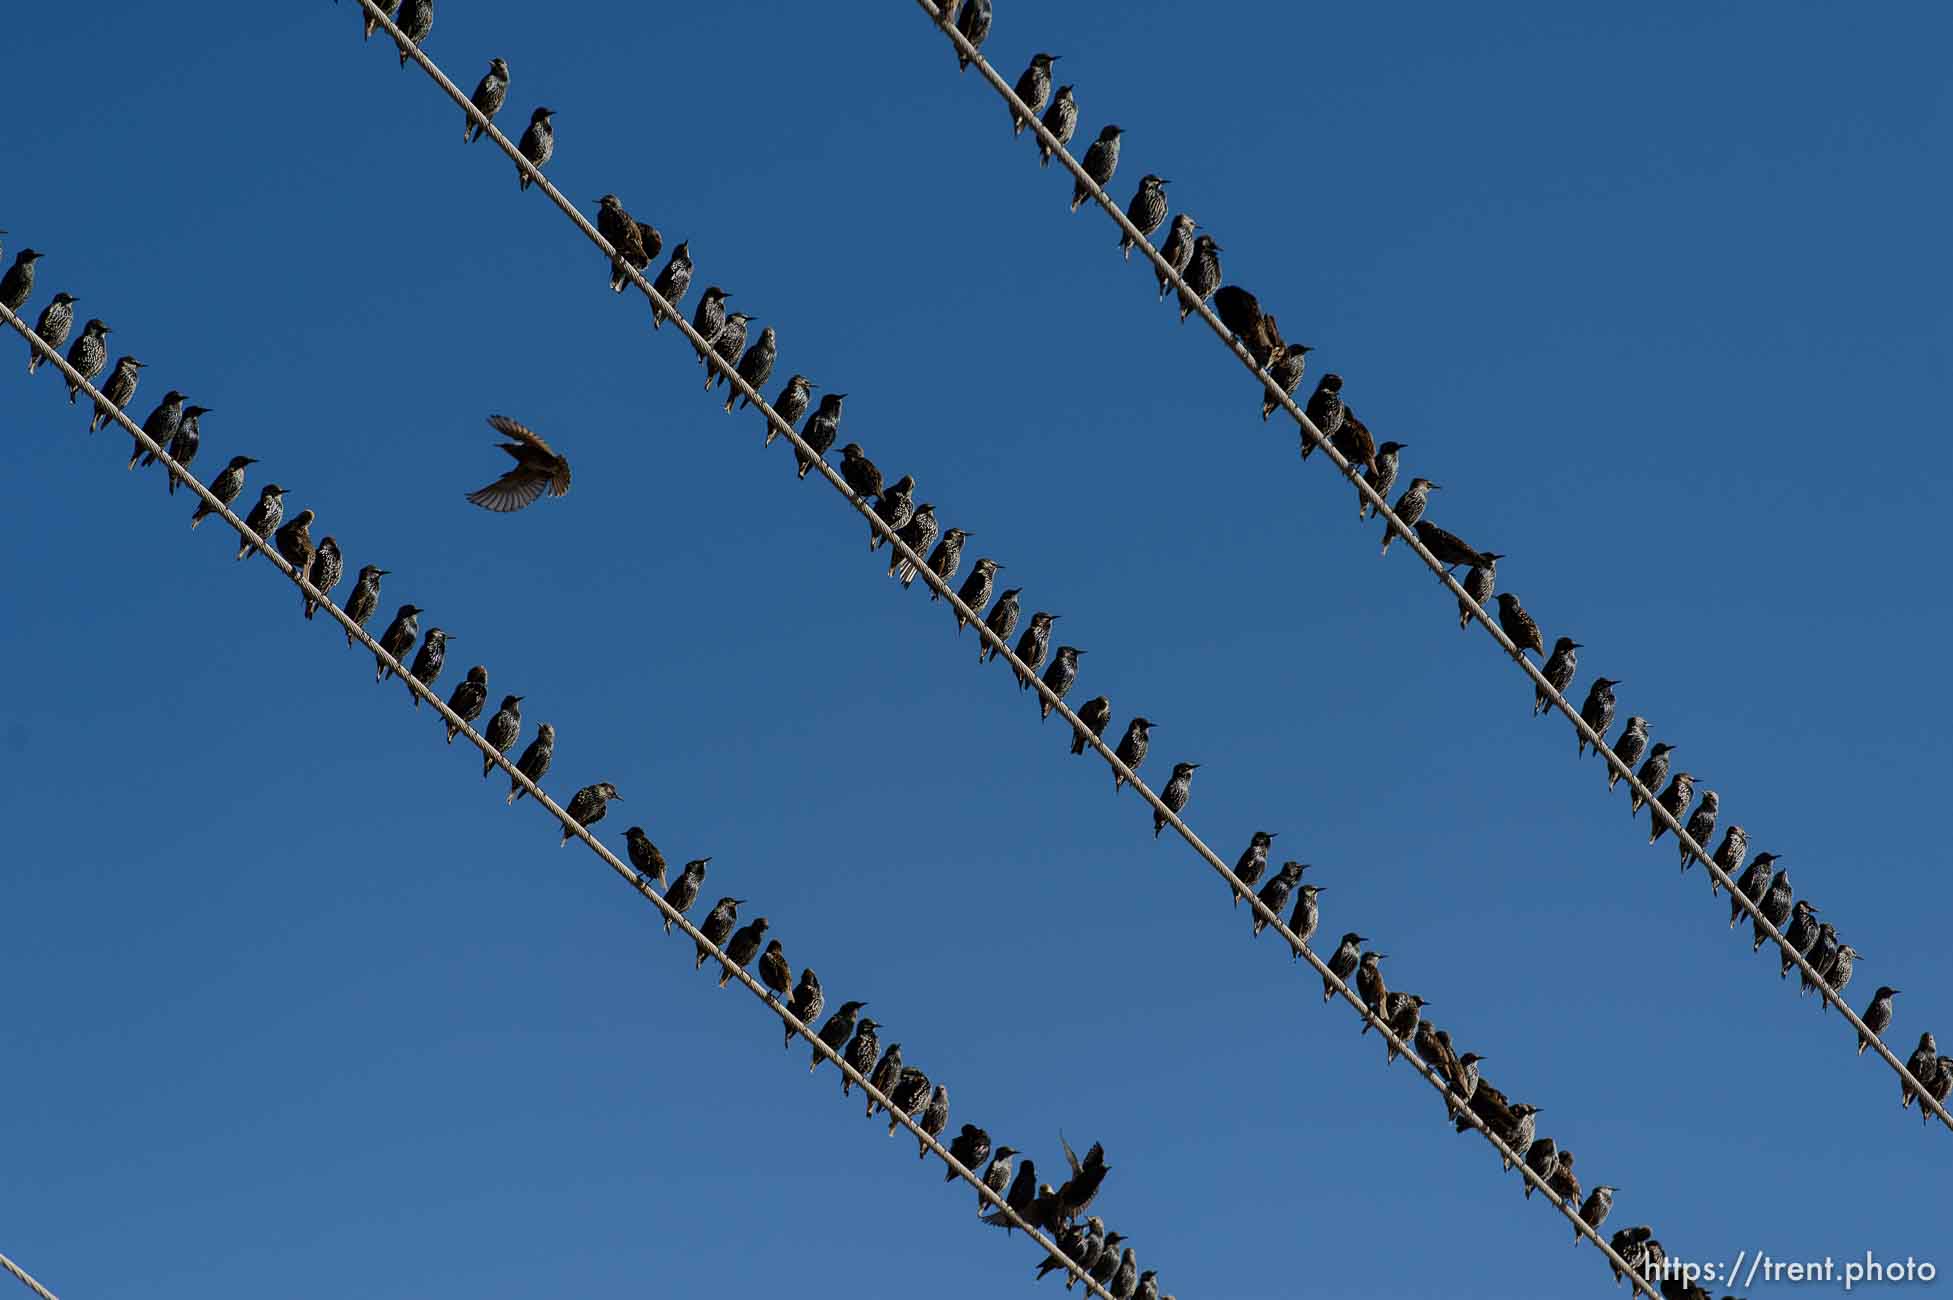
pixel 1061 120
pixel 1149 1286
pixel 974 23
pixel 161 426
pixel 1822 955
pixel 1401 1016
pixel 183 445
pixel 910 1094
pixel 1447 548
pixel 645 857
pixel 469 698
pixel 225 488
pixel 744 947
pixel 1652 774
pixel 1087 1176
pixel 625 234
pixel 1125 1279
pixel 833 1034
pixel 1542 1158
pixel 1342 963
pixel 415 22
pixel 1702 825
pixel 1775 906
pixel 895 507
pixel 17 285
pixel 1752 884
pixel 1202 276
pixel 1060 676
pixel 1177 252
pixel 587 808
pixel 917 534
pixel 56 323
pixel 935 1118
pixel 1147 212
pixel 1023 1192
pixel 1674 801
pixel 684 892
pixel 1001 621
pixel 294 541
pixel 861 1052
pixel 1179 787
pixel 1355 444
pixel 1464 1083
pixel 1073 1243
pixel 1520 629
pixel 1562 1182
pixel 1302 922
pixel 534 763
pixel 390 7
pixel 1096 715
pixel 774 971
pixel 823 426
pixel 1370 984
pixel 970 1147
pixel 672 283
pixel 1939 1086
pixel 859 473
pixel 1034 88
pixel 1629 746
pixel 1409 508
pixel 1032 647
pixel 88 354
pixel 1108 1261
pixel 366 588
pixel 709 318
pixel 1381 475
pixel 756 367
pixel 502 729
pixel 1274 894
pixel 883 1077
pixel 808 999
pixel 264 517
pixel 790 405
pixel 1597 712
pixel 1559 670
pixel 327 566
pixel 1520 1136
pixel 1839 976
pixel 490 91
pixel 537 466
pixel 1922 1065
pixel 1878 1015
pixel 427 663
pixel 1431 1049
pixel 1594 1212
pixel 1325 411
pixel 1131 749
pixel 1478 584
pixel 997 1177
pixel 975 592
pixel 1287 374
pixel 717 928
pixel 1729 856
pixel 726 349
pixel 538 143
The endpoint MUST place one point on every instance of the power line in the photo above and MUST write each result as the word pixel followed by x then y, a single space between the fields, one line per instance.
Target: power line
pixel 1443 573
pixel 26 1279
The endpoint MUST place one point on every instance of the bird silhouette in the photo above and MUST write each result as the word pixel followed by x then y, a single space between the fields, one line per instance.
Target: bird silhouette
pixel 537 466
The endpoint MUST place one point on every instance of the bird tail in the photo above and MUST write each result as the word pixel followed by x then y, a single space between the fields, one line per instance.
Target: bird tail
pixel 515 793
pixel 33 362
pixel 1078 746
pixel 72 390
pixel 1159 824
pixel 1077 200
pixel 731 394
pixel 1125 246
pixel 1308 447
pixel 453 730
pixel 1389 537
pixel 135 456
pixel 312 605
pixel 523 177
pixel 197 518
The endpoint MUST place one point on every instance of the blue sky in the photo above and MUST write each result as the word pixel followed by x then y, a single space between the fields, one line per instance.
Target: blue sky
pixel 299 1003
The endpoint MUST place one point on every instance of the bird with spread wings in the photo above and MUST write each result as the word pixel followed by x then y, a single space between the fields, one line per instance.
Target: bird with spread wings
pixel 537 466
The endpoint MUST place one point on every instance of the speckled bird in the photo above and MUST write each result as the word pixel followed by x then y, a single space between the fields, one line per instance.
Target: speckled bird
pixel 717 927
pixel 1274 895
pixel 1701 825
pixel 538 143
pixel 1751 885
pixel 775 972
pixel 1518 625
pixel 1343 962
pixel 490 92
pixel 684 892
pixel 1802 936
pixel 997 1177
pixel 909 1095
pixel 1096 716
pixel 226 487
pixel 88 355
pixel 822 428
pixel 883 1078
pixel 183 444
pixel 470 695
pixel 1597 712
pixel 1306 917
pixel 1446 547
pixel 624 233
pixel 834 1034
pixel 1147 211
pixel 1409 508
pixel 861 1052
pixel 974 22
pixel 502 729
pixel 975 591
pixel 1370 985
pixel 1400 1018
pixel 415 22
pixel 426 668
pixel 57 321
pixel 1478 585
pixel 1838 978
pixel 1563 1182
pixel 1599 1203
pixel 1674 801
pixel 859 473
pixel 1652 774
pixel 1032 647
pixel 756 367
pixel 294 541
pixel 160 425
pixel 588 806
pixel 397 640
pixel 790 405
pixel 1325 410
pixel 1384 477
pixel 895 507
pixel 1131 749
pixel 328 565
pixel 1061 120
pixel 538 468
pixel 1002 623
pixel 366 589
pixel 709 318
pixel 1559 670
pixel 1823 957
pixel 534 763
pixel 1248 868
pixel 17 285
pixel 1034 88
pixel 1629 746
pixel 743 947
pixel 726 349
pixel 1923 1065
pixel 264 517
pixel 1060 676
pixel 917 535
pixel 1356 444
pixel 1202 276
pixel 672 283
pixel 934 1119
pixel 971 1147
pixel 1775 905
pixel 1177 252
pixel 808 999
pixel 1287 374
pixel 1101 160
pixel 944 561
pixel 1179 788
pixel 1878 1014
pixel 646 857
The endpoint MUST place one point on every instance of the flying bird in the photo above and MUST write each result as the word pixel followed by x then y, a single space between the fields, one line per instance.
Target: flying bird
pixel 537 466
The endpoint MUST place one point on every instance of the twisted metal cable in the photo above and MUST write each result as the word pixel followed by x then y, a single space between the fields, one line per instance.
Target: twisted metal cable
pixel 1410 538
pixel 26 1279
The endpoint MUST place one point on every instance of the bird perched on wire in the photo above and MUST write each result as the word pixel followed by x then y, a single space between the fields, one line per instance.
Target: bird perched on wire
pixel 808 999
pixel 1674 801
pixel 366 588
pixel 1597 712
pixel 88 355
pixel 1001 621
pixel 1542 1158
pixel 469 697
pixel 1078 1192
pixel 1922 1065
pixel 1370 985
pixel 1728 854
pixel 588 806
pixel 975 592
pixel 943 561
pixel 1100 161
pixel 1095 716
pixel 327 566
pixel 1802 936
pixel 1022 1195
pixel 388 7
pixel 1823 956
pixel 1519 627
pixel 1032 648
pixel 1287 374
pixel 1775 906
pixel 834 1034
pixel 997 1177
pixel 264 517
pixel 1600 1202
pixel 883 1078
pixel 534 763
pixel 717 927
pixel 1177 252
pixel 860 1052
pixel 502 729
pixel 684 892
pixel 645 856
pixel 183 445
pixel 628 236
pixel 415 22
pixel 709 318
pixel 490 92
pixel 971 1147
pixel 1447 548
pixel 1878 1014
pixel 1147 211
pixel 672 283
pixel 895 507
pixel 17 285
pixel 294 541
pixel 909 1095
pixel 537 467
pixel 744 946
pixel 1751 885
pixel 1562 1181
pixel 1381 475
pixel 160 426
pixel 426 668
pixel 1478 584
pixel 397 639
pixel 1306 917
pixel 823 427
pixel 775 972
pixel 934 1118
pixel 1629 746
pixel 1252 863
pixel 1202 276
pixel 1355 444
pixel 1060 676
pixel 57 321
pixel 725 350
pixel 1652 774
pixel 1179 787
pixel 756 367
pixel 1559 670
pixel 1701 826
pixel 538 143
pixel 790 405
pixel 917 535
pixel 1343 962
pixel 1274 895
pixel 1240 311
pixel 1409 508
pixel 1401 1015
pixel 1034 88
pixel 1325 410
pixel 974 22
pixel 859 473
pixel 1131 749
pixel 226 487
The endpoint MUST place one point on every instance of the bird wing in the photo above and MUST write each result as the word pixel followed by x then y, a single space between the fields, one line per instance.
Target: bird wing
pixel 516 429
pixel 648 236
pixel 513 490
pixel 1071 1157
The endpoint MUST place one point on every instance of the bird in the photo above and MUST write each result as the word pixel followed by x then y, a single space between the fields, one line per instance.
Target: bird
pixel 427 663
pixel 1629 746
pixel 1432 1050
pixel 823 426
pixel 1274 894
pixel 1823 956
pixel 1542 1158
pixel 1446 547
pixel 975 592
pixel 1179 787
pixel 684 892
pixel 56 322
pixel 1060 676
pixel 646 857
pixel 1131 750
pixel 1878 1014
pixel 1381 479
pixel 1023 1192
pixel 183 445
pixel 1078 1192
pixel 756 367
pixel 895 507
pixel 1177 252
pixel 1674 801
pixel 538 143
pixel 397 639
pixel 1108 1261
pixel 1751 885
pixel 1597 712
pixel 490 91
pixel 1520 1136
pixel 534 763
pixel 974 23
pixel 1202 276
pixel 1343 962
pixel 1401 1017
pixel 1287 374
pixel 537 467
pixel 1562 1182
pixel 1355 444
pixel 917 534
pixel 1325 410
pixel 1922 1065
pixel 1095 717
pixel 860 1052
pixel 970 1147
pixel 672 283
pixel 1478 585
pixel 1061 120
pixel 469 697
pixel 1100 161
pixel 1519 627
pixel 160 425
pixel 935 1118
pixel 17 285
pixel 1409 508
pixel 415 22
pixel 775 972
pixel 1147 212
pixel 1839 976
pixel 1465 1081
pixel 294 541
pixel 859 473
pixel 726 349
pixel 1032 648
pixel 1702 825
pixel 625 234
pixel 808 999
pixel 1125 1279
pixel 1559 670
pixel 1370 985
pixel 389 7
pixel 1034 89
pixel 1775 905
pixel 716 928
pixel 226 487
pixel 587 808
pixel 709 318
pixel 883 1077
pixel 88 354
pixel 910 1093
pixel 264 517
pixel 1599 1203
pixel 1652 774
pixel 327 567
pixel 1001 622
pixel 790 405
pixel 1074 1244
pixel 1302 922
pixel 997 1177
pixel 744 947
pixel 503 727
pixel 834 1034
pixel 366 587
